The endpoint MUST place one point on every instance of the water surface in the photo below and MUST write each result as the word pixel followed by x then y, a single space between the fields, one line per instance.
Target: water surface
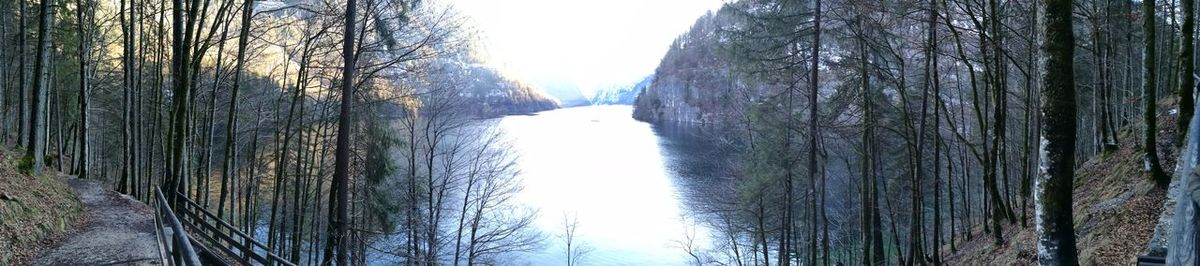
pixel 635 189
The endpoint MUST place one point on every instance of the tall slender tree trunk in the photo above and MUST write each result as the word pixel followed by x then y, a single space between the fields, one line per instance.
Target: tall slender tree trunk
pixel 1170 70
pixel 868 199
pixel 142 172
pixel 281 148
pixel 1056 238
pixel 1187 78
pixel 341 166
pixel 1107 141
pixel 229 166
pixel 813 132
pixel 949 179
pixel 999 176
pixel 159 138
pixel 36 148
pixel 1150 97
pixel 83 13
pixel 873 237
pixel 250 214
pixel 59 139
pixel 22 74
pixel 1110 116
pixel 1027 171
pixel 177 182
pixel 934 87
pixel 128 171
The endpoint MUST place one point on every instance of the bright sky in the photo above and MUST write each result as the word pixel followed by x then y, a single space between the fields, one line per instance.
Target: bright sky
pixel 587 43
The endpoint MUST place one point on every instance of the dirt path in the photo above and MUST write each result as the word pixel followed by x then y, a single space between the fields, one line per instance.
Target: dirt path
pixel 119 231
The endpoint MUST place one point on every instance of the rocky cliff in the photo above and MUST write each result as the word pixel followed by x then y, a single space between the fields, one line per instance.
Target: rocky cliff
pixel 692 83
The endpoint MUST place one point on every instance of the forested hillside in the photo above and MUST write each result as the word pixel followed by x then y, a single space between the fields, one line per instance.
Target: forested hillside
pixel 248 108
pixel 694 82
pixel 491 93
pixel 890 132
pixel 1116 207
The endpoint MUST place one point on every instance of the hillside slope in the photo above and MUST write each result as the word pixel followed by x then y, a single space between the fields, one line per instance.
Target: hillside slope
pixel 692 83
pixel 34 210
pixel 489 92
pixel 497 95
pixel 1116 207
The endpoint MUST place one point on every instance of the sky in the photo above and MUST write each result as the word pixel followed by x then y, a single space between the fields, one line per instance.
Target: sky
pixel 590 44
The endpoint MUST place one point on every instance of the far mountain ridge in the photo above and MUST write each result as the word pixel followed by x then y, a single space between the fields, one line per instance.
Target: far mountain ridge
pixel 621 95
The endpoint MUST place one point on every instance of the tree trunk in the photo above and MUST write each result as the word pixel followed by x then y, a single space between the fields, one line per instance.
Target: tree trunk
pixel 1150 98
pixel 1187 78
pixel 23 76
pixel 868 199
pixel 177 183
pixel 84 14
pixel 127 151
pixel 59 139
pixel 1056 239
pixel 1027 171
pixel 229 166
pixel 36 148
pixel 341 166
pixel 933 85
pixel 813 132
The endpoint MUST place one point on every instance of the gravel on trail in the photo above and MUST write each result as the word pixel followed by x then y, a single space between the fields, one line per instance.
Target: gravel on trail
pixel 119 231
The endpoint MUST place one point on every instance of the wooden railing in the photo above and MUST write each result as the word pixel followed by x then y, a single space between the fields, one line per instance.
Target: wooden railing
pixel 221 235
pixel 1181 235
pixel 175 249
pixel 1151 261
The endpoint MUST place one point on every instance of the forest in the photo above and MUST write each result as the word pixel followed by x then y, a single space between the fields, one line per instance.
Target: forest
pixel 282 118
pixel 898 132
pixel 356 132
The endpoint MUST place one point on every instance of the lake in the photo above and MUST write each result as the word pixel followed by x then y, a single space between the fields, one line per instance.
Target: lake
pixel 636 190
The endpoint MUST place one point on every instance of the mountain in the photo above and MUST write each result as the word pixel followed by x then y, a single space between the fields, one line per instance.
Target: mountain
pixel 692 82
pixel 566 92
pixel 486 90
pixel 624 95
pixel 497 95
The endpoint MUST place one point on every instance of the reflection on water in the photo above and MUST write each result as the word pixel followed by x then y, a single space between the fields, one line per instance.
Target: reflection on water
pixel 629 184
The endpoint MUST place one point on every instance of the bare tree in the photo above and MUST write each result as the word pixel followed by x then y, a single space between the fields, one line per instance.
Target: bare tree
pixel 574 251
